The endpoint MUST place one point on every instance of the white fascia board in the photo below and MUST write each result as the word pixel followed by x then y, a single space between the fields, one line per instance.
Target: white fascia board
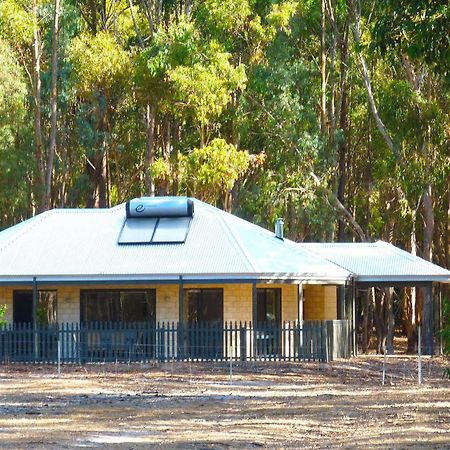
pixel 173 279
pixel 402 279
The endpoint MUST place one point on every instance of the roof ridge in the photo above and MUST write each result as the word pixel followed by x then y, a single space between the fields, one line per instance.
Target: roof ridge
pixel 300 244
pixel 235 238
pixel 407 255
pixel 35 221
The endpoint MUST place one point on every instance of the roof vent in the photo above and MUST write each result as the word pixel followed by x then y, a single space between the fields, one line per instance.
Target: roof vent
pixel 160 207
pixel 279 223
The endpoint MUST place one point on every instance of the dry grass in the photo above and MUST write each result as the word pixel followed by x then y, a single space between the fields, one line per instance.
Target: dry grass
pixel 305 405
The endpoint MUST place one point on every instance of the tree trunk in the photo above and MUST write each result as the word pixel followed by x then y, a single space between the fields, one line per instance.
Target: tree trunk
pixel 367 82
pixel 62 192
pixel 323 70
pixel 367 320
pixel 136 27
pixel 37 108
pixel 390 320
pixel 174 157
pixel 410 318
pixel 410 298
pixel 150 116
pixel 46 203
pixel 379 321
pixel 343 124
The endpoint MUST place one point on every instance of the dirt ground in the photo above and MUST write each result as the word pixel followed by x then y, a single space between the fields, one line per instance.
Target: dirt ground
pixel 273 405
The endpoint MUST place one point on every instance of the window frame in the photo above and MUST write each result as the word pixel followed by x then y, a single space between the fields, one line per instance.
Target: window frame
pixel 30 292
pixel 278 321
pixel 128 290
pixel 186 312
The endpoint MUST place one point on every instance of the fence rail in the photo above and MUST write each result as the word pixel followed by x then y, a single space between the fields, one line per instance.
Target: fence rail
pixel 144 342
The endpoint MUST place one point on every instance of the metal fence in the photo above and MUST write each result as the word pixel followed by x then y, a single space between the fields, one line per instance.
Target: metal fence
pixel 144 342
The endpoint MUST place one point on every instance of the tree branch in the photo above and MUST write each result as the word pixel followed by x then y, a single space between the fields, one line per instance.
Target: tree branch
pixel 332 198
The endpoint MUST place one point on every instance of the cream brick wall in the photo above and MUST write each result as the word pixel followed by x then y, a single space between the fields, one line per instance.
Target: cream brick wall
pixel 320 302
pixel 237 303
pixel 289 302
pixel 167 303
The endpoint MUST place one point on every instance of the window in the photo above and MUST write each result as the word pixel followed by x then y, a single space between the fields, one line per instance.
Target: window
pixel 118 306
pixel 203 306
pixel 23 307
pixel 268 306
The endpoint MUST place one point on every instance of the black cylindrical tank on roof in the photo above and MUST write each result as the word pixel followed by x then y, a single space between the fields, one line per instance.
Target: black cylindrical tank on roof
pixel 160 207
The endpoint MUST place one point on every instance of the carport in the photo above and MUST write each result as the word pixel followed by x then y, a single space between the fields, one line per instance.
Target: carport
pixel 383 265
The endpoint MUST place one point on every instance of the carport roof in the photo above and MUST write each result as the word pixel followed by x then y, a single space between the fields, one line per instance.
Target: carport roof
pixel 379 262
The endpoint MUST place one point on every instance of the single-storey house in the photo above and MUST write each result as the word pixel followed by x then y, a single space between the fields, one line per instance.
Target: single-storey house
pixel 190 278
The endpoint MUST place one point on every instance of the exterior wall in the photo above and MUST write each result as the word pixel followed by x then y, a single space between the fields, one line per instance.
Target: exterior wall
pixel 237 300
pixel 167 303
pixel 289 302
pixel 237 303
pixel 320 302
pixel 68 310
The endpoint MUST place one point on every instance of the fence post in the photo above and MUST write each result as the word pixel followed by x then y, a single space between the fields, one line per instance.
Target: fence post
pixel 419 353
pixel 243 342
pixel 59 355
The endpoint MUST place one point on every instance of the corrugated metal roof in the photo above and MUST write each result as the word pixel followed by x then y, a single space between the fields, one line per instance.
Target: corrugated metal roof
pixel 379 262
pixel 77 244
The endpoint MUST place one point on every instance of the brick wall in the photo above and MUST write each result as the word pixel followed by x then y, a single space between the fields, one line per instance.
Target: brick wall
pixel 320 302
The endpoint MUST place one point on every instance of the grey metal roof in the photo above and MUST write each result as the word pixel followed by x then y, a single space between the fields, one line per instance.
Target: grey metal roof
pixel 379 262
pixel 71 245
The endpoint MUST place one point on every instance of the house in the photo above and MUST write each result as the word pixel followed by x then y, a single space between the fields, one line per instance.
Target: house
pixel 179 268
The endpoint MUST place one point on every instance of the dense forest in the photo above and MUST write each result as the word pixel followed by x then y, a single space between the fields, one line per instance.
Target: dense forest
pixel 333 114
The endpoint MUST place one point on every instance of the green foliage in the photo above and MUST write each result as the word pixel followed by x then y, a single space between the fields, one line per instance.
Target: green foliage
pixel 210 172
pixel 13 131
pixel 16 23
pixel 12 88
pixel 99 63
pixel 203 90
pixel 2 314
pixel 418 28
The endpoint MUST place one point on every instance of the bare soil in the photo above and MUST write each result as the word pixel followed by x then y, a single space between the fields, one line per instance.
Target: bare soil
pixel 273 405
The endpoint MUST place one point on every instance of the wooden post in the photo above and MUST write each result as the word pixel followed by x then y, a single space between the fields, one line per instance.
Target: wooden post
pixel 441 341
pixel 341 302
pixel 355 350
pixel 35 318
pixel 180 352
pixel 300 314
pixel 419 354
pixel 254 315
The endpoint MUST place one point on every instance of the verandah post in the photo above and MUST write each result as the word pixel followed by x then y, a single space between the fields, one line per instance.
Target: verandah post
pixel 355 350
pixel 180 334
pixel 35 319
pixel 255 317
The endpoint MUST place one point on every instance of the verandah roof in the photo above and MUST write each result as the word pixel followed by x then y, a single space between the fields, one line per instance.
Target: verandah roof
pixel 379 262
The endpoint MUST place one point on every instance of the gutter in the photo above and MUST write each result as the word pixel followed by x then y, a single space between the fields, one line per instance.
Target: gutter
pixel 174 279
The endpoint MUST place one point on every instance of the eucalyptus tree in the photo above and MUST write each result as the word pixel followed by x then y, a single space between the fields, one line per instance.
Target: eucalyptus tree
pixel 14 153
